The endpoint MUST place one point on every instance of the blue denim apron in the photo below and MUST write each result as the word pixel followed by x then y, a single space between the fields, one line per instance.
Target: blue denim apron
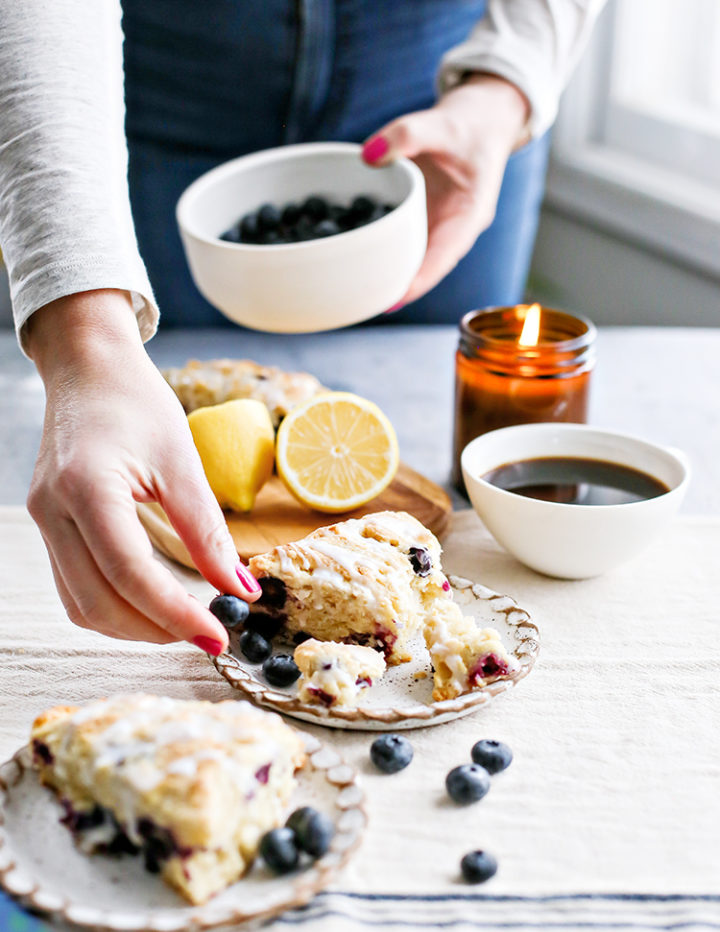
pixel 209 81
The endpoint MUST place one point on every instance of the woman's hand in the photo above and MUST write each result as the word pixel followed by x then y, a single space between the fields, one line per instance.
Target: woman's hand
pixel 462 145
pixel 114 435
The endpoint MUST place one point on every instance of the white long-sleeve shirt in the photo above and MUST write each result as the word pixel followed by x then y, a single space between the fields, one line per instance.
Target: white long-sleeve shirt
pixel 65 218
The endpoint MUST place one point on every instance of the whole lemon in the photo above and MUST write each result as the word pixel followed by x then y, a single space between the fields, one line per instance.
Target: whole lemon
pixel 236 443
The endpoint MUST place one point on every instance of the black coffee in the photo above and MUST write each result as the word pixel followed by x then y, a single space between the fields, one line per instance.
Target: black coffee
pixel 576 481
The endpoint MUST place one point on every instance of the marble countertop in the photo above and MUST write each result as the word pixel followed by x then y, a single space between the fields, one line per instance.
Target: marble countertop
pixel 661 383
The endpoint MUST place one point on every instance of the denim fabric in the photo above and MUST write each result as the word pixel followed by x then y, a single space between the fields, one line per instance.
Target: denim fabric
pixel 209 81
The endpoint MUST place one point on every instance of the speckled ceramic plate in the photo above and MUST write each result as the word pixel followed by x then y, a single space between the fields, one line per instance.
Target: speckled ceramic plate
pixel 41 867
pixel 402 698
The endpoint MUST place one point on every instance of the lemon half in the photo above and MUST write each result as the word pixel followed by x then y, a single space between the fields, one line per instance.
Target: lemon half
pixel 336 451
pixel 236 443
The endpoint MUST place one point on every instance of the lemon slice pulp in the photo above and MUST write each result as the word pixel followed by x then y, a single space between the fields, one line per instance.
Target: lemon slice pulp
pixel 336 451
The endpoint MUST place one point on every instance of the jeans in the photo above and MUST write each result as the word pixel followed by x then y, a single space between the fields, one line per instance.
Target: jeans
pixel 207 82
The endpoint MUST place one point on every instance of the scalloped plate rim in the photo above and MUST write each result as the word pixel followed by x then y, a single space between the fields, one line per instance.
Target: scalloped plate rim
pixel 305 884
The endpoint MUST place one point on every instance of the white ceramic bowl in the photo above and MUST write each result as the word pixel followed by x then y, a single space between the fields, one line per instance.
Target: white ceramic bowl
pixel 563 540
pixel 315 285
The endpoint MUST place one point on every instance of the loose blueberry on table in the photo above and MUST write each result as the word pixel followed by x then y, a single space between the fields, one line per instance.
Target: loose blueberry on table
pixel 467 783
pixel 316 218
pixel 281 670
pixel 313 830
pixel 478 866
pixel 255 647
pixel 391 753
pixel 230 611
pixel 494 756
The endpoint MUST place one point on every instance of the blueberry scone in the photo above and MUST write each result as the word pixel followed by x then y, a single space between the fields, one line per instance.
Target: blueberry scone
pixel 199 384
pixel 370 581
pixel 463 655
pixel 191 785
pixel 335 674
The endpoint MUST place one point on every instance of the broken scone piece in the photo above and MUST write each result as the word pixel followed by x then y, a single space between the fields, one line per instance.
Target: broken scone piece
pixel 463 655
pixel 370 581
pixel 199 384
pixel 190 785
pixel 335 674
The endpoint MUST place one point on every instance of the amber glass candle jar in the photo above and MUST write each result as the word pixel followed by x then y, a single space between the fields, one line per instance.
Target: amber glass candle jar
pixel 505 376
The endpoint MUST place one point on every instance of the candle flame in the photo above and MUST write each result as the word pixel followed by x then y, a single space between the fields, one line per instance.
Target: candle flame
pixel 531 326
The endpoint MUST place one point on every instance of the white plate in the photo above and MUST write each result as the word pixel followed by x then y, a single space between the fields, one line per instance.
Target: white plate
pixel 41 867
pixel 400 698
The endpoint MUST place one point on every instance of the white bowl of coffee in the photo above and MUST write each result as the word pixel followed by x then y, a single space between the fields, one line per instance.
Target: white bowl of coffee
pixel 569 500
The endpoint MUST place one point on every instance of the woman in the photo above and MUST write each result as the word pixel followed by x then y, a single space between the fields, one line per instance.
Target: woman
pixel 204 83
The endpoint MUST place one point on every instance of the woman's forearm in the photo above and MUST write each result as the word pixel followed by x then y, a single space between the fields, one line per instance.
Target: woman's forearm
pixel 534 44
pixel 65 220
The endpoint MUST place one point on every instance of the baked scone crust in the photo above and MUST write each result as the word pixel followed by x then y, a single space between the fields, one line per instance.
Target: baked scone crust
pixel 335 674
pixel 199 384
pixel 463 656
pixel 202 780
pixel 368 581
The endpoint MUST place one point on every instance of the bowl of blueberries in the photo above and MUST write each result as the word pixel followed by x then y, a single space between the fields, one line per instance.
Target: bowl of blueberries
pixel 304 238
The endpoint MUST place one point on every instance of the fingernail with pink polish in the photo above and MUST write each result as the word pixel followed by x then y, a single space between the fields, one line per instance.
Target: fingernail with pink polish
pixel 209 645
pixel 395 307
pixel 375 149
pixel 247 578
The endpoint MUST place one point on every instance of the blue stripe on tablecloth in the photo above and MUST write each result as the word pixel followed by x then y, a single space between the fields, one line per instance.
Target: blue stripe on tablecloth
pixel 347 911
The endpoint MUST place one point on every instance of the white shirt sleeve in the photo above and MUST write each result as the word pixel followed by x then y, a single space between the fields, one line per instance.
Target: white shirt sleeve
pixel 535 44
pixel 65 219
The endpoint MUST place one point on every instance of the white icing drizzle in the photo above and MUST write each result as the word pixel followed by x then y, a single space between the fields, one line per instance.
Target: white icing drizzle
pixel 131 745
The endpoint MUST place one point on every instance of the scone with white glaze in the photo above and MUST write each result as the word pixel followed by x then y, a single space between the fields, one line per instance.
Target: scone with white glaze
pixel 335 674
pixel 463 656
pixel 199 384
pixel 370 581
pixel 191 785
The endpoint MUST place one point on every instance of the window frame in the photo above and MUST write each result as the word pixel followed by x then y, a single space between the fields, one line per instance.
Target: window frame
pixel 656 206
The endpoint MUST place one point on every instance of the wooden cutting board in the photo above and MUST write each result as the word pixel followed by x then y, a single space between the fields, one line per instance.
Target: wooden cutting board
pixel 278 518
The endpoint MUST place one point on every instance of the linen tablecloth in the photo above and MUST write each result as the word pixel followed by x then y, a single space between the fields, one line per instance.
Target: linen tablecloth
pixel 609 815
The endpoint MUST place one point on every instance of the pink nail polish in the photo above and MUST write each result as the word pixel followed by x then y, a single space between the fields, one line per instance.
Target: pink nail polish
pixel 209 645
pixel 247 578
pixel 375 149
pixel 395 307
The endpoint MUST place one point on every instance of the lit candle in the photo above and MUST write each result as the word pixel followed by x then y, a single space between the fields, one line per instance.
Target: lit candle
pixel 519 365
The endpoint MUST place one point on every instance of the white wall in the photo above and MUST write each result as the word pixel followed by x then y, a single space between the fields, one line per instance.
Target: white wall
pixel 580 267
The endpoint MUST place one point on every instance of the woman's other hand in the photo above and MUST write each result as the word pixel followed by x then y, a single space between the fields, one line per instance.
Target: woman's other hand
pixel 115 435
pixel 462 145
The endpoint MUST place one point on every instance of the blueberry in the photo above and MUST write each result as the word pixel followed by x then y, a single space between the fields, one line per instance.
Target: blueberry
pixel 304 229
pixel 467 783
pixel 362 208
pixel 391 753
pixel 316 208
pixel 233 235
pixel 254 646
pixel 280 670
pixel 420 560
pixel 494 756
pixel 229 610
pixel 268 217
pixel 290 215
pixel 313 830
pixel 267 625
pixel 274 594
pixel 326 228
pixel 478 866
pixel 249 228
pixel 279 850
pixel 270 238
